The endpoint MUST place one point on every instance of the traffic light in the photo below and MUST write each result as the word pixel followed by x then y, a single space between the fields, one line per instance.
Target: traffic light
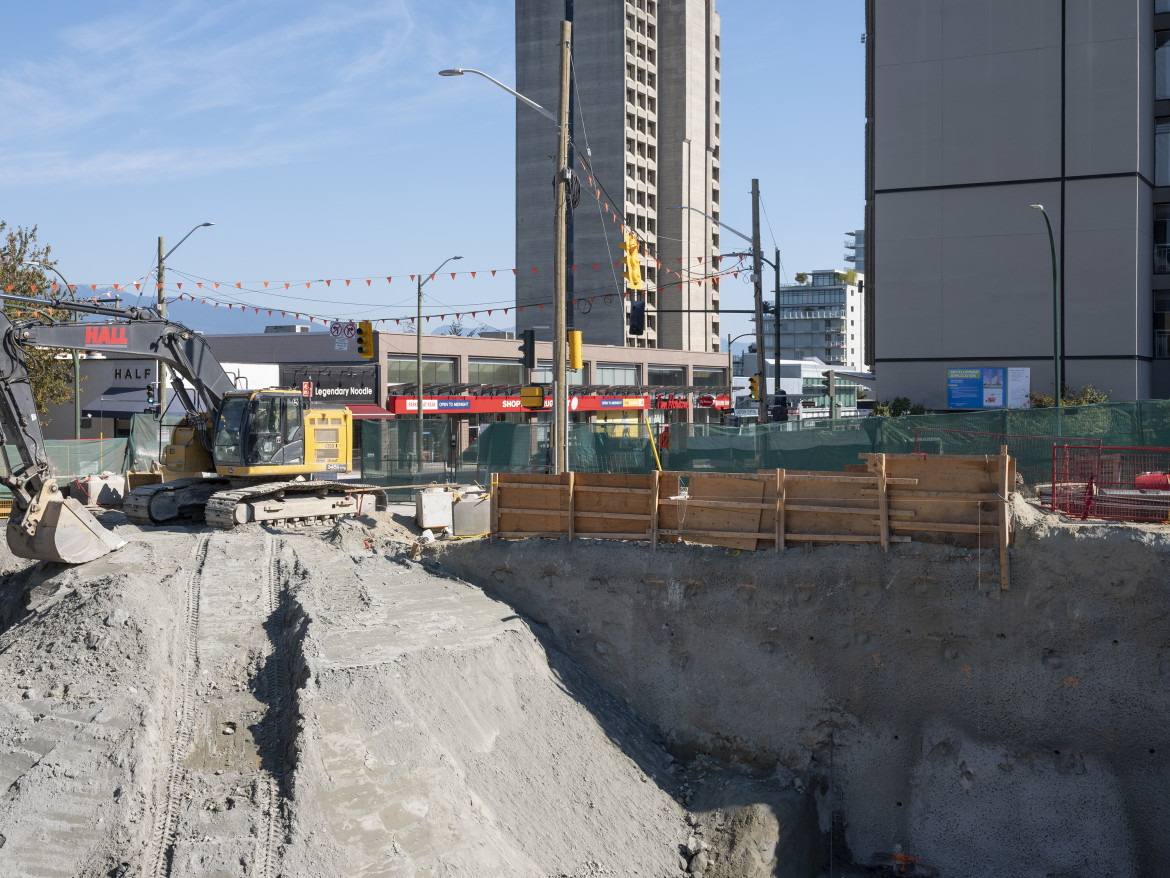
pixel 754 386
pixel 151 396
pixel 633 263
pixel 576 360
pixel 365 339
pixel 829 387
pixel 637 318
pixel 528 348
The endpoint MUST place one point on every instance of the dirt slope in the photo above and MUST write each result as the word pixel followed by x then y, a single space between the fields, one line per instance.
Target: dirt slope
pixel 310 704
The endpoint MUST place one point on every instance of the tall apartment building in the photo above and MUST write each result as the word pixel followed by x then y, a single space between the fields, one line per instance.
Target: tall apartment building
pixel 824 318
pixel 977 110
pixel 645 118
pixel 856 248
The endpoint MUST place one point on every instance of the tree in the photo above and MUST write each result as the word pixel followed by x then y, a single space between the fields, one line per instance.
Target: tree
pixel 455 328
pixel 51 376
pixel 801 278
pixel 896 409
pixel 1088 395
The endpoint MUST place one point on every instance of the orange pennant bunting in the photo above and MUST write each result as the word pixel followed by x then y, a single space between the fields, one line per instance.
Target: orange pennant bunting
pixel 473 274
pixel 238 287
pixel 493 272
pixel 265 284
pixel 452 275
pixel 286 287
pixel 347 282
pixel 328 283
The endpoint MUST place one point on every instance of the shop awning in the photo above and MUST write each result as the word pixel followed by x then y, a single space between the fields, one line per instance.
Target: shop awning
pixel 367 410
pixel 116 403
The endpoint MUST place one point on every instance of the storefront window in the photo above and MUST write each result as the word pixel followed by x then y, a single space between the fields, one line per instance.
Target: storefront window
pixel 494 372
pixel 404 370
pixel 666 376
pixel 542 374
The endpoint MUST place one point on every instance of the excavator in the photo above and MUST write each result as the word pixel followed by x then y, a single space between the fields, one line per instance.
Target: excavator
pixel 239 455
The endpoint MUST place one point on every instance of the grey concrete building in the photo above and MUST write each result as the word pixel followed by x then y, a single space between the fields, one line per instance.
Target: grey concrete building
pixel 977 110
pixel 645 123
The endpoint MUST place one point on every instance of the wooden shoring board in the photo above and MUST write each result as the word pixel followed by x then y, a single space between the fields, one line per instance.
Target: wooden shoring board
pixel 711 525
pixel 966 475
pixel 541 496
pixel 494 500
pixel 668 514
pixel 781 490
pixel 606 503
pixel 823 503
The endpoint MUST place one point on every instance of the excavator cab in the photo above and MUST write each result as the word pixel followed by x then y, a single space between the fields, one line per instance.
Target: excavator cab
pixel 260 431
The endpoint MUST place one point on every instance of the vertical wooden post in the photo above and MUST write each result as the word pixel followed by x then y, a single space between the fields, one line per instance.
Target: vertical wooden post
pixel 883 503
pixel 572 514
pixel 654 489
pixel 495 506
pixel 780 499
pixel 1004 520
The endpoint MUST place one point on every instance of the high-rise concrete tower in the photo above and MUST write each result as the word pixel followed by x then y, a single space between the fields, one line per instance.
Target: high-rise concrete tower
pixel 645 124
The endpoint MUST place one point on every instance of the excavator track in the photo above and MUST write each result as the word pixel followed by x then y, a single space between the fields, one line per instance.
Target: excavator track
pixel 181 499
pixel 292 503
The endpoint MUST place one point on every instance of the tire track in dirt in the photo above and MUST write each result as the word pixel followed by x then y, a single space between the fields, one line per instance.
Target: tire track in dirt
pixel 162 836
pixel 224 806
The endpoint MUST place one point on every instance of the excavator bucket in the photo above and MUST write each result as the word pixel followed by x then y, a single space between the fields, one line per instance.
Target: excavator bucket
pixel 66 532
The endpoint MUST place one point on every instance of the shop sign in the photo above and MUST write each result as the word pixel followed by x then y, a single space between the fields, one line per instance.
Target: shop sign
pixel 705 401
pixel 671 402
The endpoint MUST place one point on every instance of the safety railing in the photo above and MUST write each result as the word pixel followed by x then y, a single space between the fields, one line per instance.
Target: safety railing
pixel 1123 484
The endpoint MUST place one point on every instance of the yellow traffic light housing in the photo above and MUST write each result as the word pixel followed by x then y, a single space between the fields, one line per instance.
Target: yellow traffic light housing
pixel 532 396
pixel 633 263
pixel 754 385
pixel 365 340
pixel 576 359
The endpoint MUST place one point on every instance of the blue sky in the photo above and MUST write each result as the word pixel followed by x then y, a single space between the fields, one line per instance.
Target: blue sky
pixel 321 141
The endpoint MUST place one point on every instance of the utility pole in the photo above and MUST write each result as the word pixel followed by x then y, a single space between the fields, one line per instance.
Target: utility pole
pixel 160 368
pixel 418 434
pixel 776 324
pixel 757 269
pixel 560 397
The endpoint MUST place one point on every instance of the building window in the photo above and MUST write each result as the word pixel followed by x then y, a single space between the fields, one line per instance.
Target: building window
pixel 404 370
pixel 615 375
pixel 666 376
pixel 1162 64
pixel 708 378
pixel 542 374
pixel 1162 237
pixel 1162 324
pixel 494 372
pixel 1162 152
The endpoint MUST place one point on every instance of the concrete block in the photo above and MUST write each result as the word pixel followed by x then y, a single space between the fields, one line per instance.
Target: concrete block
pixel 472 516
pixel 432 508
pixel 103 490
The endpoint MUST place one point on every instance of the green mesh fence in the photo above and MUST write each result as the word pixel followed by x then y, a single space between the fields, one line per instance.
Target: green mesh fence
pixel 76 458
pixel 821 444
pixel 147 439
pixel 387 452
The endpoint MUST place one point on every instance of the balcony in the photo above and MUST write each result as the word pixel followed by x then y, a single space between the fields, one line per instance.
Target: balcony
pixel 1162 259
pixel 1162 344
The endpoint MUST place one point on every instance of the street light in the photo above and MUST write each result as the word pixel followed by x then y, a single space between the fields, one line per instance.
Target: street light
pixel 757 258
pixel 418 362
pixel 561 198
pixel 160 366
pixel 76 360
pixel 1055 310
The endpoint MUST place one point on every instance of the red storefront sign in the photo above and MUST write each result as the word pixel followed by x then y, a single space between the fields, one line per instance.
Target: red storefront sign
pixel 455 405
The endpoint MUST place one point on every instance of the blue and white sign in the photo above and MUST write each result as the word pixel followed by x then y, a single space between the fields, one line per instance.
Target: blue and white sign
pixel 984 388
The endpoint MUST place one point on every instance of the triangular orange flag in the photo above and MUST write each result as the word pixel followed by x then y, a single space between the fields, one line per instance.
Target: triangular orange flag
pixel 432 277
pixel 347 282
pixel 265 284
pixel 534 269
pixel 388 280
pixel 493 272
pixel 595 266
pixel 238 287
pixel 368 283
pixel 200 285
pixel 327 283
pixel 217 286
pixel 138 286
pixel 286 287
pixel 473 274
pixel 452 275
pixel 520 310
pixel 513 271
pixel 180 286
pixel 91 286
pixel 411 277
pixel 307 284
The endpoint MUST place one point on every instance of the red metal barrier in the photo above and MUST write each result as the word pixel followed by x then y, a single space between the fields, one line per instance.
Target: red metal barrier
pixel 1032 454
pixel 1124 484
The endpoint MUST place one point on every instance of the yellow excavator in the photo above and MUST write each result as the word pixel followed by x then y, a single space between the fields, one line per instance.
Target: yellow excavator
pixel 238 455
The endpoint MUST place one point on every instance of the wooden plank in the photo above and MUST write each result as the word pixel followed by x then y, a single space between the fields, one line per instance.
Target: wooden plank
pixel 614 536
pixel 1005 470
pixel 495 506
pixel 605 489
pixel 843 510
pixel 780 510
pixel 883 503
pixel 524 510
pixel 944 527
pixel 714 504
pixel 531 487
pixel 571 507
pixel 723 521
pixel 654 507
pixel 711 534
pixel 834 538
pixel 624 516
pixel 526 534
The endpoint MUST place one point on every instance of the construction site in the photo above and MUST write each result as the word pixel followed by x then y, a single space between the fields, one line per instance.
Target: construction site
pixel 902 668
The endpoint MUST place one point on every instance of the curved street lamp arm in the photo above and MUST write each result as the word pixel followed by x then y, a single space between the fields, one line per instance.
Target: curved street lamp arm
pixel 423 283
pixel 184 238
pixel 459 71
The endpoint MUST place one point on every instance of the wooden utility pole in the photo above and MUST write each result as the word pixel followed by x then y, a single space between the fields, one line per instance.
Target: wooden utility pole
pixel 757 272
pixel 561 414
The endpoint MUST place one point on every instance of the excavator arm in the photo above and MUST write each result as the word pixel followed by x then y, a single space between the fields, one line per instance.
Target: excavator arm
pixel 44 525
